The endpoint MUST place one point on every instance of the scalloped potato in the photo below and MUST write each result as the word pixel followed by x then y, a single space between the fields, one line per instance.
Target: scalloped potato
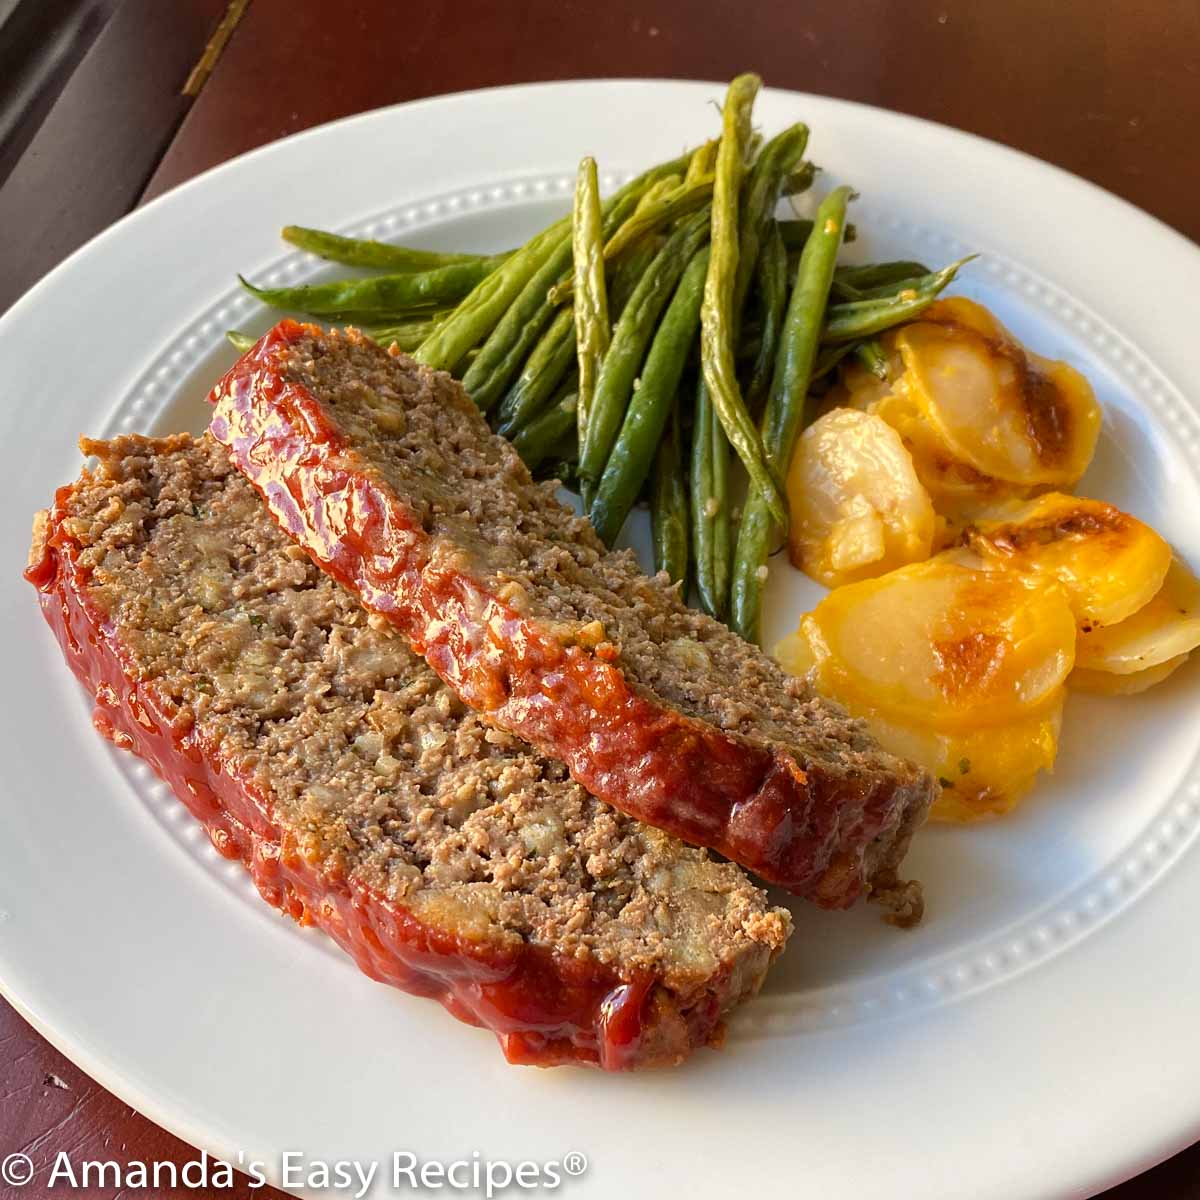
pixel 1109 563
pixel 1003 410
pixel 983 773
pixel 1108 683
pixel 945 644
pixel 856 504
pixel 983 418
pixel 957 490
pixel 1163 629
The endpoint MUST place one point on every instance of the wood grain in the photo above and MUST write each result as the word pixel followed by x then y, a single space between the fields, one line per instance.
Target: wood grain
pixel 1106 88
pixel 92 154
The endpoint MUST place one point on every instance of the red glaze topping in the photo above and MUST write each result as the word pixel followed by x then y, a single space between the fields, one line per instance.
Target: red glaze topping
pixel 803 829
pixel 545 1008
pixel 798 828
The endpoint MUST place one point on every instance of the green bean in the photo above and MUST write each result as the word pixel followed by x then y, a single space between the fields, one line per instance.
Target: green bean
pixel 628 273
pixel 717 316
pixel 358 252
pixel 786 404
pixel 538 440
pixel 632 455
pixel 668 504
pixel 509 343
pixel 829 358
pixel 592 330
pixel 666 202
pixel 871 355
pixel 670 207
pixel 512 339
pixel 859 279
pixel 543 370
pixel 703 161
pixel 479 312
pixel 240 341
pixel 711 519
pixel 885 291
pixel 408 335
pixel 801 179
pixel 760 195
pixel 568 385
pixel 864 318
pixel 379 295
pixel 795 233
pixel 772 295
pixel 630 338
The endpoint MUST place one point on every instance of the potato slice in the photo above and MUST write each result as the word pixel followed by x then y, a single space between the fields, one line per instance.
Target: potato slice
pixel 943 644
pixel 957 490
pixel 1109 563
pixel 983 773
pixel 1165 628
pixel 1106 683
pixel 1001 409
pixel 856 504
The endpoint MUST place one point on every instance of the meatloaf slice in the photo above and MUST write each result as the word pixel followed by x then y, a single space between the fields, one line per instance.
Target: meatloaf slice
pixel 444 855
pixel 387 474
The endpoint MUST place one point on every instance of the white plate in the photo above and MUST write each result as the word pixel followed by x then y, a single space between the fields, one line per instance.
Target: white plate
pixel 1036 1037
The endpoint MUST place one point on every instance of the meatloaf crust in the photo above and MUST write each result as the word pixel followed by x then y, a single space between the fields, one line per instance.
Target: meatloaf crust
pixel 444 855
pixel 388 475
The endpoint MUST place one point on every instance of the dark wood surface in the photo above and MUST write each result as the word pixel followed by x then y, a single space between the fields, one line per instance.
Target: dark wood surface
pixel 1110 90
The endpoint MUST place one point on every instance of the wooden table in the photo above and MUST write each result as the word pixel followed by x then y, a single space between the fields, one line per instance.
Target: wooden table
pixel 1109 89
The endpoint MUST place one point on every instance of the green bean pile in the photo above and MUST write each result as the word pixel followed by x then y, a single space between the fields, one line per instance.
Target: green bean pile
pixel 662 345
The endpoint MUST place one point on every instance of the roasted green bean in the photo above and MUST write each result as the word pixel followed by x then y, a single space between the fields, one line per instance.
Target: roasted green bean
pixel 760 195
pixel 627 273
pixel 650 218
pixel 795 233
pixel 865 318
pixel 377 296
pixel 632 454
pixel 717 317
pixel 359 252
pixel 669 505
pixel 856 280
pixel 829 357
pixel 539 439
pixel 408 335
pixel 480 312
pixel 633 332
pixel 592 330
pixel 871 354
pixel 510 342
pixel 772 298
pixel 800 179
pixel 709 507
pixel 785 413
pixel 540 376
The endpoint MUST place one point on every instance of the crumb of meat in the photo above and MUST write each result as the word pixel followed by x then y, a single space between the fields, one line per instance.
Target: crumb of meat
pixel 372 763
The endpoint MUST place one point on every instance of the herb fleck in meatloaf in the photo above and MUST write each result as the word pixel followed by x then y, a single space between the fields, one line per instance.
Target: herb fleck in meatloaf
pixel 390 478
pixel 447 857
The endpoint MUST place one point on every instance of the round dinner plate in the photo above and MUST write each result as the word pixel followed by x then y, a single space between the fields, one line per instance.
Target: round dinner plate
pixel 1034 1037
